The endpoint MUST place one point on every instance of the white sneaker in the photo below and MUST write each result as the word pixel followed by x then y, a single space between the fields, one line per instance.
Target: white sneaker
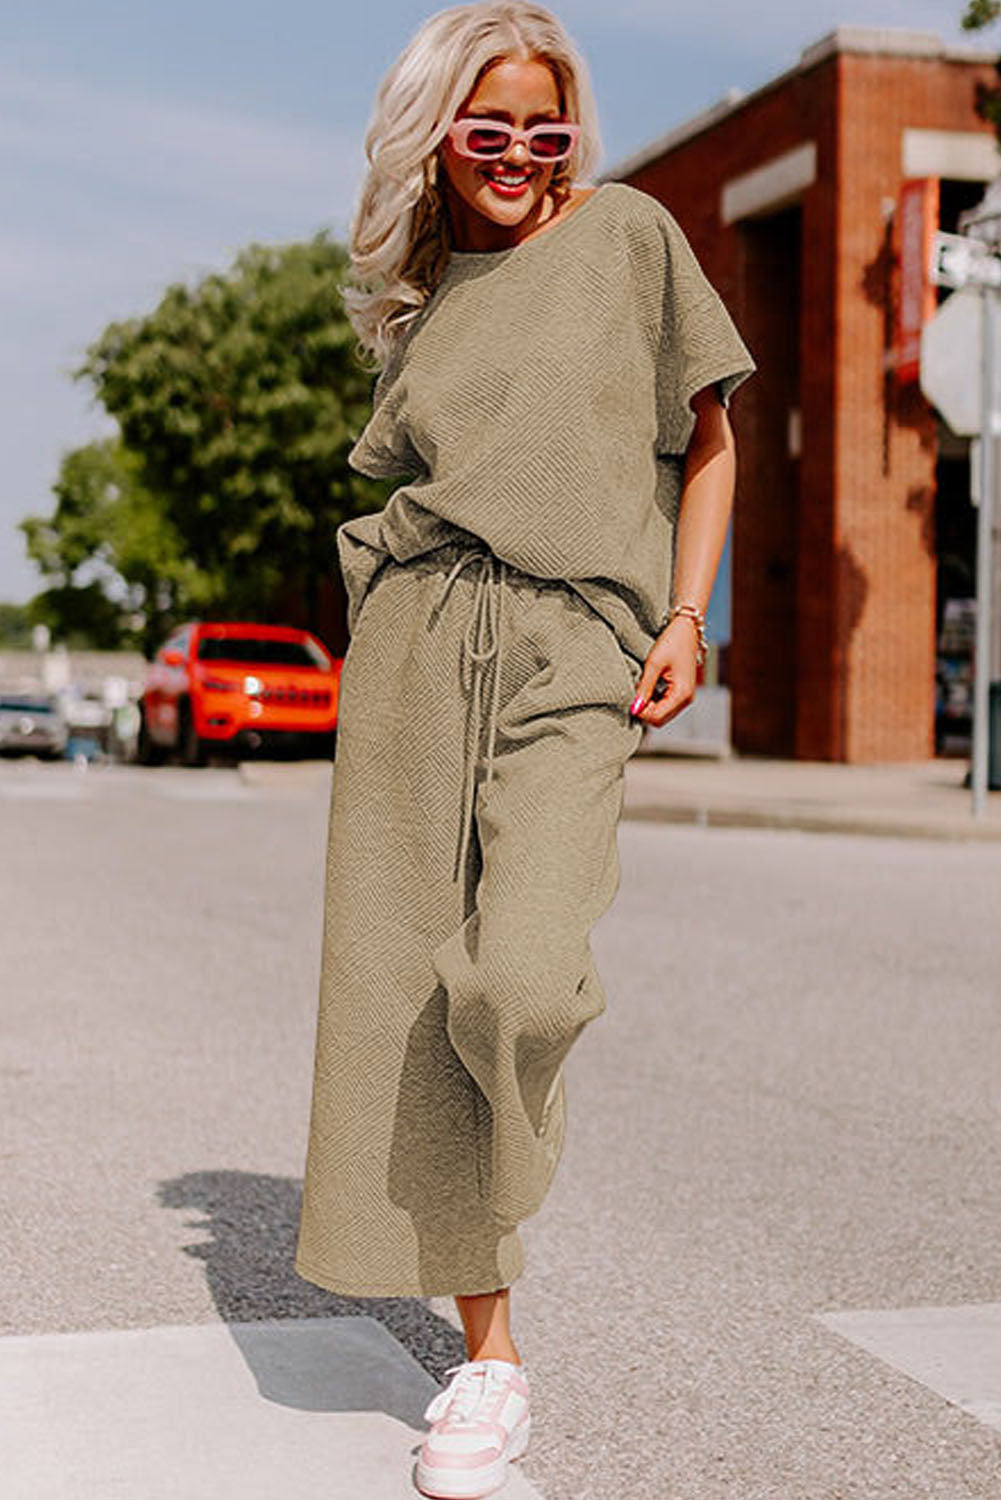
pixel 480 1423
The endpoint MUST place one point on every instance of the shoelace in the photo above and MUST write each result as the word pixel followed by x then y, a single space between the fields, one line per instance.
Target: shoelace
pixel 472 1382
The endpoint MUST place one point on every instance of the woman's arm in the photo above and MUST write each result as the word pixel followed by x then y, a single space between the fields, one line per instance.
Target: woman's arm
pixel 703 516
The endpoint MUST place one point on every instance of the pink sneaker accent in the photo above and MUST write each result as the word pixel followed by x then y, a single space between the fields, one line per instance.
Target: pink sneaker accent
pixel 480 1423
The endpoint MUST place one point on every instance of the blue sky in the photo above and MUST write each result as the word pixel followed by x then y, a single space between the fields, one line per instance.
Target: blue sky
pixel 143 143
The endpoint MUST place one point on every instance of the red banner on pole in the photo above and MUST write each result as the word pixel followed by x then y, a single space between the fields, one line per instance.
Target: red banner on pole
pixel 918 221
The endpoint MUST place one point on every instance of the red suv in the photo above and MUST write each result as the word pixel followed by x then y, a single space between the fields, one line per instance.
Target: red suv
pixel 227 688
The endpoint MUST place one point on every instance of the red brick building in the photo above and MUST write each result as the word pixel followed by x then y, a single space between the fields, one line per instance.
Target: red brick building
pixel 852 522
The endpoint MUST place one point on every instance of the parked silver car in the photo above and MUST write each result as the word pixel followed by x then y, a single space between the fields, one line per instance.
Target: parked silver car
pixel 32 723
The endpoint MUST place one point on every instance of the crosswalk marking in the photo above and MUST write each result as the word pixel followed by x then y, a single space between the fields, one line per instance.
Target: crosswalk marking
pixel 955 1351
pixel 304 1406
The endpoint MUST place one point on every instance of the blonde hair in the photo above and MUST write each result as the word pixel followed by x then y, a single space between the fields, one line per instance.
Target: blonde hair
pixel 399 234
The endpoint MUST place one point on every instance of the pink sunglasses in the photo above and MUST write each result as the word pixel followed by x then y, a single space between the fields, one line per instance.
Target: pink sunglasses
pixel 487 140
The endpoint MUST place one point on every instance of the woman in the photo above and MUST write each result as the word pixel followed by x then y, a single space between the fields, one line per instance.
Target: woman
pixel 555 372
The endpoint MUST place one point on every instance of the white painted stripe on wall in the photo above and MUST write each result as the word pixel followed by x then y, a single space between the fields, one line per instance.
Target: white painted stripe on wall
pixel 970 155
pixel 777 183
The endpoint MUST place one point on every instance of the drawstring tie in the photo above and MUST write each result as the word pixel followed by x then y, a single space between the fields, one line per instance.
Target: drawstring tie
pixel 481 646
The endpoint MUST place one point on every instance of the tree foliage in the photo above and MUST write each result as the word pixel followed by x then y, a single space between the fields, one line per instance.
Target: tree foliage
pixel 237 401
pixel 15 627
pixel 978 14
pixel 116 566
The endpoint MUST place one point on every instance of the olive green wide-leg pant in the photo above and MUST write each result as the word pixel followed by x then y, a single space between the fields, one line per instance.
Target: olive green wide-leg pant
pixel 456 966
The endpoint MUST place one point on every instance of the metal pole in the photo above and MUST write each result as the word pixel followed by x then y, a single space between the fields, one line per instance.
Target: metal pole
pixel 985 514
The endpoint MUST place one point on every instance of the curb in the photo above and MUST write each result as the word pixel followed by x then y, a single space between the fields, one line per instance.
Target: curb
pixel 752 817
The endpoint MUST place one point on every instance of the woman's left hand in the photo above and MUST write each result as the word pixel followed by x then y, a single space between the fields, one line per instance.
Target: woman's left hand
pixel 673 657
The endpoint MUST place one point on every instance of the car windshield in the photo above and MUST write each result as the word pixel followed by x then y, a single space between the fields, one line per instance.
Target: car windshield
pixel 25 705
pixel 260 651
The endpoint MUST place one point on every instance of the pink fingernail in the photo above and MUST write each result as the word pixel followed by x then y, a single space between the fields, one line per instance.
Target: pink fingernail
pixel 638 704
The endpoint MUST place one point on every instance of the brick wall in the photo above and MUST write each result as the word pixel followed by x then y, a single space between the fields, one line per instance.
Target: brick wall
pixel 885 436
pixel 832 653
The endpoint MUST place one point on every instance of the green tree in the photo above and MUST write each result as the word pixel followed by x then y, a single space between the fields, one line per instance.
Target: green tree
pixel 116 568
pixel 978 14
pixel 15 627
pixel 240 399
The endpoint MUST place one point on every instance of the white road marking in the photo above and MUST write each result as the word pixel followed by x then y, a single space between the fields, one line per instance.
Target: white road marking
pixel 202 788
pixel 307 1406
pixel 264 782
pixel 955 1351
pixel 50 789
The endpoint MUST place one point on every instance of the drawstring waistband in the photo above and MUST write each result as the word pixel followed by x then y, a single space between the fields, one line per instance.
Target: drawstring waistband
pixel 481 645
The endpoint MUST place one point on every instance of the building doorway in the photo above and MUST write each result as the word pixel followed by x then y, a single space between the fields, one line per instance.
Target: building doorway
pixel 766 519
pixel 955 543
pixel 955 596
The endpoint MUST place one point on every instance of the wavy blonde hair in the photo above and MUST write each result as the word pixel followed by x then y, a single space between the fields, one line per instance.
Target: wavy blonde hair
pixel 399 240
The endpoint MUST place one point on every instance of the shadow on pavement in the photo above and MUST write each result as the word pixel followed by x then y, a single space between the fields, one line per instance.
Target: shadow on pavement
pixel 252 1222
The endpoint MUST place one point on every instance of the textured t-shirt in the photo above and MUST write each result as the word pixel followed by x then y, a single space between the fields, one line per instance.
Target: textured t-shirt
pixel 539 403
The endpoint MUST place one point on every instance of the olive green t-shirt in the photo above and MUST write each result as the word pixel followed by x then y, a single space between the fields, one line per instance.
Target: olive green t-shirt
pixel 539 403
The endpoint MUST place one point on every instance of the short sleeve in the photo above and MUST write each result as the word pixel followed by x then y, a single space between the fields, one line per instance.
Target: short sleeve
pixel 698 343
pixel 384 449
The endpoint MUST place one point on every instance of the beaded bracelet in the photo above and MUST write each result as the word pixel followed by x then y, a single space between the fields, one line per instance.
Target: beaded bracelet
pixel 694 613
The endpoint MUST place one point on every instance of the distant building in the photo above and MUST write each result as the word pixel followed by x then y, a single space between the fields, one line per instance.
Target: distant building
pixel 852 527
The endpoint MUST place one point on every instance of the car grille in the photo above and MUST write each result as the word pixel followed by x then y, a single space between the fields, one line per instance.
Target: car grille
pixel 294 697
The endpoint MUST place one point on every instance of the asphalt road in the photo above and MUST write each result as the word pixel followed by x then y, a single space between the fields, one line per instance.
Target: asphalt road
pixel 790 1108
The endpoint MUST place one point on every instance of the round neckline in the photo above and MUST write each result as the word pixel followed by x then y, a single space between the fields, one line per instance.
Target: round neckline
pixel 483 257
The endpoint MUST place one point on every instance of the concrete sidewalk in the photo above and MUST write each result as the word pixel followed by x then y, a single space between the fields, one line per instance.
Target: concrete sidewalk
pixel 913 799
pixel 920 799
